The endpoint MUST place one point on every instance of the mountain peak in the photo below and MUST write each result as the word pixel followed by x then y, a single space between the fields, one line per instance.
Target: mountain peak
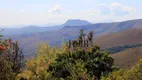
pixel 76 22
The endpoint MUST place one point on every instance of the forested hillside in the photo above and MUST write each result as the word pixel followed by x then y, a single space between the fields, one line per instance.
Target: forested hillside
pixel 117 49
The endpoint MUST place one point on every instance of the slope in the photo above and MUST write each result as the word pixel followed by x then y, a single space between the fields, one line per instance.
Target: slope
pixel 128 57
pixel 130 36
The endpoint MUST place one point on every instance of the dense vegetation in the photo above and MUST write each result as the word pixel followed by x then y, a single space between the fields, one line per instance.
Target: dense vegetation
pixel 11 60
pixel 56 63
pixel 95 62
pixel 135 73
pixel 121 48
pixel 59 64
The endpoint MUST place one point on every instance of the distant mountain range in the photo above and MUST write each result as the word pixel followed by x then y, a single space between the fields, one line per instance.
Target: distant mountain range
pixel 43 28
pixel 29 42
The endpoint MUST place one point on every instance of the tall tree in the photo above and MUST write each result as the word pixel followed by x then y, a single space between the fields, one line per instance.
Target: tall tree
pixel 11 59
pixel 81 37
pixel 90 37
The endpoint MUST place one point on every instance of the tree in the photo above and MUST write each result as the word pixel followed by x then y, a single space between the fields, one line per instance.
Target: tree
pixel 6 72
pixel 36 68
pixel 11 59
pixel 14 54
pixel 95 62
pixel 81 37
pixel 90 37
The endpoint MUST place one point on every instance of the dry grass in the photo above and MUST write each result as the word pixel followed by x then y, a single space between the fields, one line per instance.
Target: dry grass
pixel 127 58
pixel 130 36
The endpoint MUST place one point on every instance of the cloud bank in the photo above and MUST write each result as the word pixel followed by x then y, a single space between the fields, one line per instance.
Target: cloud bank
pixel 116 9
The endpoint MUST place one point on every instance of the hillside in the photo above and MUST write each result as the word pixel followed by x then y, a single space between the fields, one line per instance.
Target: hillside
pixel 105 28
pixel 30 41
pixel 130 36
pixel 128 57
pixel 117 49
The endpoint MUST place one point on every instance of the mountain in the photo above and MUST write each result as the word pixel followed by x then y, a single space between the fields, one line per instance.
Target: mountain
pixel 49 24
pixel 106 28
pixel 28 29
pixel 126 37
pixel 42 28
pixel 127 58
pixel 76 22
pixel 30 41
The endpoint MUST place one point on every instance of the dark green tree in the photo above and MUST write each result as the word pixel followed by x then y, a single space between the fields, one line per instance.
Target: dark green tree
pixel 96 62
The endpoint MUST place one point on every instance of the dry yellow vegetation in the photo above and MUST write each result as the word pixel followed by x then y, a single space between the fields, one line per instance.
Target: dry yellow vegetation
pixel 127 58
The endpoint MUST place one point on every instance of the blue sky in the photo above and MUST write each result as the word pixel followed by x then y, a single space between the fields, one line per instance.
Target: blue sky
pixel 38 12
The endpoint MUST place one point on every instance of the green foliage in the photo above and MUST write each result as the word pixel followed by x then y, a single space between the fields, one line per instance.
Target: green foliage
pixel 54 63
pixel 36 68
pixel 6 72
pixel 11 59
pixel 95 62
pixel 78 71
pixel 134 73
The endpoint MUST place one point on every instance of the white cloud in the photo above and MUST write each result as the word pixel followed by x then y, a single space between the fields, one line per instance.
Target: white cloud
pixel 120 9
pixel 114 9
pixel 56 9
pixel 104 9
pixel 91 15
pixel 114 12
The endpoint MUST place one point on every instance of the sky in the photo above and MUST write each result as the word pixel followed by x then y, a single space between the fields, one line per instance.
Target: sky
pixel 41 12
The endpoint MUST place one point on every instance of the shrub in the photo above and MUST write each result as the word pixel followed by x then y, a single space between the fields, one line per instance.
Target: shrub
pixel 134 73
pixel 6 72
